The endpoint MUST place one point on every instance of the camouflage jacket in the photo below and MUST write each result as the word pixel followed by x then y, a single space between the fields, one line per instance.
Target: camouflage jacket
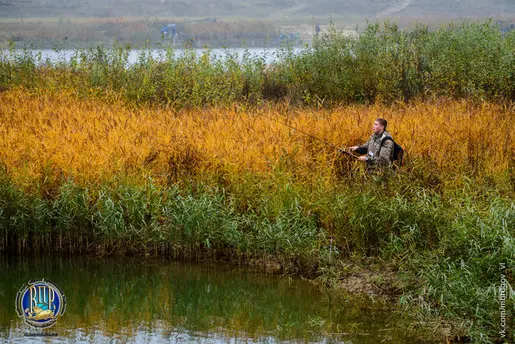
pixel 378 154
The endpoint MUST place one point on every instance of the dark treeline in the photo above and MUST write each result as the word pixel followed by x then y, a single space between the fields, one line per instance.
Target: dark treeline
pixel 382 63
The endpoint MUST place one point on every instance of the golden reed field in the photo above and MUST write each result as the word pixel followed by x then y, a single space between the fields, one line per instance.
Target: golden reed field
pixel 49 134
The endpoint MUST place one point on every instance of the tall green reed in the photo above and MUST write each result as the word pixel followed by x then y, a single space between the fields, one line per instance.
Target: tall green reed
pixel 382 63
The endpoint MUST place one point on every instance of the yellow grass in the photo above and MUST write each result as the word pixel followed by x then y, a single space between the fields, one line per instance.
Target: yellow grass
pixel 60 135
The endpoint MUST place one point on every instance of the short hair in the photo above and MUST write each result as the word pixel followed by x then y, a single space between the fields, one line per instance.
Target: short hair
pixel 383 122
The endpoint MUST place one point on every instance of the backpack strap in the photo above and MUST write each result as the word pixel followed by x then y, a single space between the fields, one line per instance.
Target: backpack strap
pixel 386 139
pixel 401 151
pixel 392 154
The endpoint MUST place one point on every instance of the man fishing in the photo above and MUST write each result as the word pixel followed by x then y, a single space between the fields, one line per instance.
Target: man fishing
pixel 381 151
pixel 378 149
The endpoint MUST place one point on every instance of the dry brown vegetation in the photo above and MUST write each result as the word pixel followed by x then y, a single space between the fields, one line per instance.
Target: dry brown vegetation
pixel 92 140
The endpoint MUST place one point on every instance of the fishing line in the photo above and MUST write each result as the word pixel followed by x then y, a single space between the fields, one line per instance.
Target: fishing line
pixel 313 137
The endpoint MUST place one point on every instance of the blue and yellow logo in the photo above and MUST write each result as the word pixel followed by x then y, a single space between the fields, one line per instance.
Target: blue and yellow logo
pixel 40 303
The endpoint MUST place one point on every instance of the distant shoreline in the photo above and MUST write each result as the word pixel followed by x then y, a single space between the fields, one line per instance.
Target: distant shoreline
pixel 139 32
pixel 145 32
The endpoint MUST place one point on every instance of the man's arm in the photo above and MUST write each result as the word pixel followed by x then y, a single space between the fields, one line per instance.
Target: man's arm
pixel 385 153
pixel 362 149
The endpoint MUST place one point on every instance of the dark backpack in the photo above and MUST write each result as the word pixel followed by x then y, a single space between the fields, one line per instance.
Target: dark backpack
pixel 398 151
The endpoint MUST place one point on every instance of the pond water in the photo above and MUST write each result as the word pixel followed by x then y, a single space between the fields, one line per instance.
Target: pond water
pixel 268 55
pixel 133 300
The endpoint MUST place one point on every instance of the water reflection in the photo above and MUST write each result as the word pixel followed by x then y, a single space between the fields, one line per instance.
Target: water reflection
pixel 154 301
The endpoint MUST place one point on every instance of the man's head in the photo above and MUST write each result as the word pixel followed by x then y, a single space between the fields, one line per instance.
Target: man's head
pixel 379 126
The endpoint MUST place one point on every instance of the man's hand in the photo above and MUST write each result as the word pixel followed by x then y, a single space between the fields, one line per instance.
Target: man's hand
pixel 352 149
pixel 362 158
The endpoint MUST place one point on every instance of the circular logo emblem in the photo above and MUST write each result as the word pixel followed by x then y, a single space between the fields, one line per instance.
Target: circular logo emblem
pixel 40 303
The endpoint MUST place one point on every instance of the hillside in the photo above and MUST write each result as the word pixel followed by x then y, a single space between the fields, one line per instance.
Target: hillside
pixel 258 9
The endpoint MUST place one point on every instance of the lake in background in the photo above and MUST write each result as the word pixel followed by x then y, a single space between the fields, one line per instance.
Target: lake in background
pixel 268 55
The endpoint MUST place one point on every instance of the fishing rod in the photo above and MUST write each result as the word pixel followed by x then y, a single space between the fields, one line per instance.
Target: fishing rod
pixel 313 137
